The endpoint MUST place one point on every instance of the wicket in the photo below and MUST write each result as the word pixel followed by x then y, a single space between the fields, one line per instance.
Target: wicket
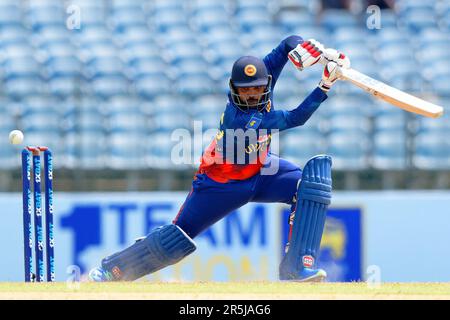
pixel 39 232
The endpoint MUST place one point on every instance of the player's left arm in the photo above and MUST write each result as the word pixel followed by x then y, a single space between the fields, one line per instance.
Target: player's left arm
pixel 302 54
pixel 276 60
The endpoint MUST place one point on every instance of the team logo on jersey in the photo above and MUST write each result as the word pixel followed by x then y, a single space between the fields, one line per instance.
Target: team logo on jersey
pixel 254 122
pixel 308 261
pixel 250 70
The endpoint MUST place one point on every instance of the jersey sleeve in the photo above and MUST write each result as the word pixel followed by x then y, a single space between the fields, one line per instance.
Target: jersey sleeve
pixel 276 60
pixel 282 119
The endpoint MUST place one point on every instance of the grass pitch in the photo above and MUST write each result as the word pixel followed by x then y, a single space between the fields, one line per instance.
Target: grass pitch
pixel 224 291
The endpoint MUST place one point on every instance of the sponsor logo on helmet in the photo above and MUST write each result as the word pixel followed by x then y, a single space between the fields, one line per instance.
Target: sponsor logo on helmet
pixel 250 70
pixel 308 261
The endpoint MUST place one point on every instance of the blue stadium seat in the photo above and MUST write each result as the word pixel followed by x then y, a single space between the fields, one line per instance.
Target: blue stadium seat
pixel 427 125
pixel 316 32
pixel 349 151
pixel 106 86
pixel 218 34
pixel 192 67
pixel 166 122
pixel 103 66
pixel 64 86
pixel 90 121
pixel 299 146
pixel 135 35
pixel 158 150
pixel 365 65
pixel 125 4
pixel 205 19
pixel 217 52
pixel 350 36
pixel 164 104
pixel 121 105
pixel 436 69
pixel 39 105
pixel 208 120
pixel 151 86
pixel 355 51
pixel 357 123
pixel 40 122
pixel 395 53
pixel 418 19
pixel 387 117
pixel 91 150
pixel 131 121
pixel 441 85
pixel 284 88
pixel 10 16
pixel 125 151
pixel 392 36
pixel 51 139
pixel 332 19
pixel 8 156
pixel 405 6
pixel 122 18
pixel 195 84
pixel 144 52
pixel 290 20
pixel 431 151
pixel 167 5
pixel 11 35
pixel 176 35
pixel 23 86
pixel 63 66
pixel 214 103
pixel 46 16
pixel 93 36
pixel 265 34
pixel 353 105
pixel 7 122
pixel 434 37
pixel 163 20
pixel 186 50
pixel 389 150
pixel 250 18
pixel 96 52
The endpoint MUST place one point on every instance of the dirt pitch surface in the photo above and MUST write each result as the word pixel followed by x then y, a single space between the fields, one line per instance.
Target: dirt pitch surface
pixel 224 291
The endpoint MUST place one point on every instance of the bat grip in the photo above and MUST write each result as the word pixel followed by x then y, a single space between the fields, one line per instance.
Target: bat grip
pixel 323 61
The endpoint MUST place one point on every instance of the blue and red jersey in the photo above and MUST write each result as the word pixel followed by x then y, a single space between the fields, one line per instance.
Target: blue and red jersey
pixel 214 161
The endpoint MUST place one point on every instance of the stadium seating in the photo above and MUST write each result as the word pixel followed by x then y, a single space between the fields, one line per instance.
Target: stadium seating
pixel 136 70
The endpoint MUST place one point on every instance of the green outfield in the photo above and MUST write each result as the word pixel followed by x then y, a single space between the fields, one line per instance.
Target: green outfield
pixel 222 291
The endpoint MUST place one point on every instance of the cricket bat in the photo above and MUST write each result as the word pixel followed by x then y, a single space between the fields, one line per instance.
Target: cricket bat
pixel 392 95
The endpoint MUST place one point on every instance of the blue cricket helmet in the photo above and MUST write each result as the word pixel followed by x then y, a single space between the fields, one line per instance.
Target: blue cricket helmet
pixel 249 71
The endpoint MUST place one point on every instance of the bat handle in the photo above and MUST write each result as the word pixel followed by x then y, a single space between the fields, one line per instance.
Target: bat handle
pixel 324 61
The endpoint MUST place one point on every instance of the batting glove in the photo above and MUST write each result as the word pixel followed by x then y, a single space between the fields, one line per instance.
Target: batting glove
pixel 329 76
pixel 333 55
pixel 306 54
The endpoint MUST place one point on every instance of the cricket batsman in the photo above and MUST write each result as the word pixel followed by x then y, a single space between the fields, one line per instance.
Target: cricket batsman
pixel 224 183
